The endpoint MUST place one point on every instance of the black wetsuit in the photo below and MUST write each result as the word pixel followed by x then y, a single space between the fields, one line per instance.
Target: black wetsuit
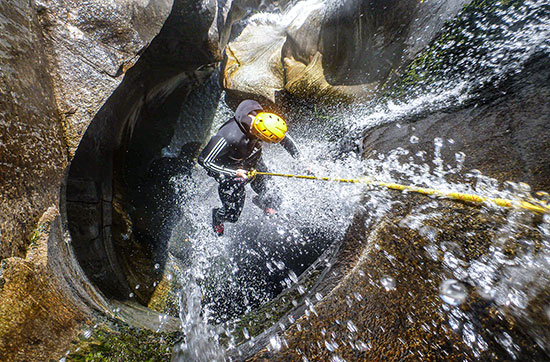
pixel 232 148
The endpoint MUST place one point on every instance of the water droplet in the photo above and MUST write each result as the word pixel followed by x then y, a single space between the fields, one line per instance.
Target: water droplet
pixel 275 342
pixel 388 283
pixel 157 266
pixel 293 276
pixel 131 295
pixel 460 157
pixel 524 187
pixel 414 139
pixel 351 326
pixel 331 345
pixel 318 296
pixel 453 292
pixel 362 346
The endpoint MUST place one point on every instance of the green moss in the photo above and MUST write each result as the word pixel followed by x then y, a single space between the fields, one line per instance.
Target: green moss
pixel 121 343
pixel 39 229
pixel 459 47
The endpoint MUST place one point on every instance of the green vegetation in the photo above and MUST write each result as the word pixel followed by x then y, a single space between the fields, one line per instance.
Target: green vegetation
pixel 39 229
pixel 461 44
pixel 123 344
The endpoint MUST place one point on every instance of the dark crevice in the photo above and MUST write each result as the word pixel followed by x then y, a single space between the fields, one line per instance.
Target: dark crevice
pixel 123 141
pixel 121 208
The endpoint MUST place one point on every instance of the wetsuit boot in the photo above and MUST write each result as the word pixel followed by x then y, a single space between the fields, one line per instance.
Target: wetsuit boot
pixel 217 225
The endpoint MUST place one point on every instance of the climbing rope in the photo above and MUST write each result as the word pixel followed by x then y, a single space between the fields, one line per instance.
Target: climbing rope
pixel 539 208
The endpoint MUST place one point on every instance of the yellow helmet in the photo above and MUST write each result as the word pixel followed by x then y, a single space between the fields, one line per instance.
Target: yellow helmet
pixel 269 127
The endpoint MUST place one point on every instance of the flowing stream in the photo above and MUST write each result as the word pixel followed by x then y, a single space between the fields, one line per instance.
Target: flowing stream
pixel 227 277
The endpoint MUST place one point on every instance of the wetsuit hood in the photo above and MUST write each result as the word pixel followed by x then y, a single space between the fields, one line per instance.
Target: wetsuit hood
pixel 244 108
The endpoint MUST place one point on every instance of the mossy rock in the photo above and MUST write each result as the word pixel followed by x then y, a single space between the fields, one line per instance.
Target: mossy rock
pixel 117 342
pixel 457 51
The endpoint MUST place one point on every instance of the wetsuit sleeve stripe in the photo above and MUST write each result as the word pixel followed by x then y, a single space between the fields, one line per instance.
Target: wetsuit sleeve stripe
pixel 209 160
pixel 215 151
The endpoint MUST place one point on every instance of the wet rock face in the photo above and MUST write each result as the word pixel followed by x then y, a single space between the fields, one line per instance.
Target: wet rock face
pixel 32 151
pixel 90 47
pixel 389 306
pixel 504 132
pixel 59 61
pixel 333 50
pixel 393 304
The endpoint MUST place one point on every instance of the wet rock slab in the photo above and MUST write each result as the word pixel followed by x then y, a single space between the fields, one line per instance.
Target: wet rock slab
pixel 391 305
pixel 59 61
pixel 332 52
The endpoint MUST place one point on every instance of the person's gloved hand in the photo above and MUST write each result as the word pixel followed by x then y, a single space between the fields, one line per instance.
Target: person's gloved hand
pixel 242 175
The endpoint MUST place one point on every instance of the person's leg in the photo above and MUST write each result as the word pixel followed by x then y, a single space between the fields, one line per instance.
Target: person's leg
pixel 267 197
pixel 232 195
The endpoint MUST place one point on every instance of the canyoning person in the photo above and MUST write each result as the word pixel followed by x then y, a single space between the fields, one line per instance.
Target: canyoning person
pixel 235 150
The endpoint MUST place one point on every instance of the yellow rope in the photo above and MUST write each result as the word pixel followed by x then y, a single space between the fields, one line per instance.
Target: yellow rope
pixel 543 209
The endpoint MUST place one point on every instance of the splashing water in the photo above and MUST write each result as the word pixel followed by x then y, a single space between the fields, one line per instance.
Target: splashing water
pixel 201 339
pixel 216 267
pixel 453 292
pixel 279 246
pixel 388 283
pixel 214 261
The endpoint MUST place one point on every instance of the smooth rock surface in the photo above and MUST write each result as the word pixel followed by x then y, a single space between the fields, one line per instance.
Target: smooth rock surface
pixel 340 49
pixel 59 61
pixel 90 46
pixel 504 133
pixel 32 151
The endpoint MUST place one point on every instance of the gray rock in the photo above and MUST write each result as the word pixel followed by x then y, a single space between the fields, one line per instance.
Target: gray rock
pixel 32 150
pixel 332 50
pixel 89 47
